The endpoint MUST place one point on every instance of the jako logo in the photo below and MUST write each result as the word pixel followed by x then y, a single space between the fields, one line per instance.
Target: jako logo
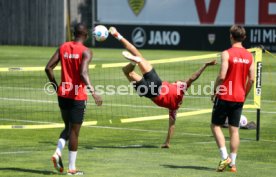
pixel 71 56
pixel 139 37
pixel 240 60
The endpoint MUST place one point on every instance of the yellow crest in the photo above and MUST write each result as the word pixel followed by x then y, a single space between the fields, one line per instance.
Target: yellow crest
pixel 136 5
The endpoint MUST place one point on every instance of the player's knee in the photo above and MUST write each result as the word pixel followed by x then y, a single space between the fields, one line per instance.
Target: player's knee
pixel 74 133
pixel 64 134
pixel 127 72
pixel 131 74
pixel 212 126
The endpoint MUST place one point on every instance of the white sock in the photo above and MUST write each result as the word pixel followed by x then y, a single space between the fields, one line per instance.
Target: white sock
pixel 60 146
pixel 233 157
pixel 72 160
pixel 223 153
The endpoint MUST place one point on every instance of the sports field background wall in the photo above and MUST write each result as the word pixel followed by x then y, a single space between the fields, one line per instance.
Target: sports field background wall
pixel 154 24
pixel 189 24
pixel 40 22
pixel 32 22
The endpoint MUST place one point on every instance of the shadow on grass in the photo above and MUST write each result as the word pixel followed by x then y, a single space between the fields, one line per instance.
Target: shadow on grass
pixel 48 142
pixel 43 172
pixel 122 147
pixel 189 167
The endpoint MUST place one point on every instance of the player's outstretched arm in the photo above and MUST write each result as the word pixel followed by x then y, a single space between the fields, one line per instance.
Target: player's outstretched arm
pixel 172 118
pixel 87 57
pixel 49 69
pixel 130 47
pixel 196 75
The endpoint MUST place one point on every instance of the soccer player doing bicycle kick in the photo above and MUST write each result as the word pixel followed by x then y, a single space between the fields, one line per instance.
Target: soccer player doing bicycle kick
pixel 162 93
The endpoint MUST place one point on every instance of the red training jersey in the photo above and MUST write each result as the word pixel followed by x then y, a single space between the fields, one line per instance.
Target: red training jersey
pixel 171 95
pixel 71 86
pixel 234 84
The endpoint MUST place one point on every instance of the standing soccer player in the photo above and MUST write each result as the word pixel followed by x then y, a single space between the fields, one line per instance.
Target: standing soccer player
pixel 235 79
pixel 162 93
pixel 72 96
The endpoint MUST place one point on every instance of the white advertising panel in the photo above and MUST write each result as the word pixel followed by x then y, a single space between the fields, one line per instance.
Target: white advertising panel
pixel 187 12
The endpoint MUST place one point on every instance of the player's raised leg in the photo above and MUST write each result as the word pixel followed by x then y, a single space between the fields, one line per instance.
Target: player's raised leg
pixel 129 72
pixel 131 48
pixel 143 64
pixel 135 57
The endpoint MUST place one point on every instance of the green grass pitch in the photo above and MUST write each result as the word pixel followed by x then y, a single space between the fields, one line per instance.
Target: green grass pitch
pixel 130 149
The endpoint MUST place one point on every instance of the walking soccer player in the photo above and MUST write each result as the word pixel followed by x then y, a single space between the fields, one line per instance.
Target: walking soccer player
pixel 232 86
pixel 162 93
pixel 72 96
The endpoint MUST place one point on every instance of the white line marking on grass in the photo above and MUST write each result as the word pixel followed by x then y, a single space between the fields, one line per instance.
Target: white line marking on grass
pixel 22 88
pixel 16 152
pixel 208 97
pixel 211 142
pixel 273 141
pixel 143 130
pixel 268 101
pixel 265 112
pixel 161 131
pixel 28 100
pixel 43 126
pixel 129 129
pixel 30 121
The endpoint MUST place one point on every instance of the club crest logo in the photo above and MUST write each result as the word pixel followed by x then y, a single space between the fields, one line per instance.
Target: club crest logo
pixel 211 38
pixel 136 5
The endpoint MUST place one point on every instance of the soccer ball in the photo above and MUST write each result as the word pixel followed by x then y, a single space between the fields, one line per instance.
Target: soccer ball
pixel 100 33
pixel 243 121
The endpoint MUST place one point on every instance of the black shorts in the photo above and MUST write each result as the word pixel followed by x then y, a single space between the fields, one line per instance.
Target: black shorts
pixel 149 86
pixel 223 109
pixel 72 110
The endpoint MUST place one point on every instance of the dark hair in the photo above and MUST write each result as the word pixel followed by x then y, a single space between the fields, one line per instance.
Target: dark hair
pixel 238 33
pixel 80 29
